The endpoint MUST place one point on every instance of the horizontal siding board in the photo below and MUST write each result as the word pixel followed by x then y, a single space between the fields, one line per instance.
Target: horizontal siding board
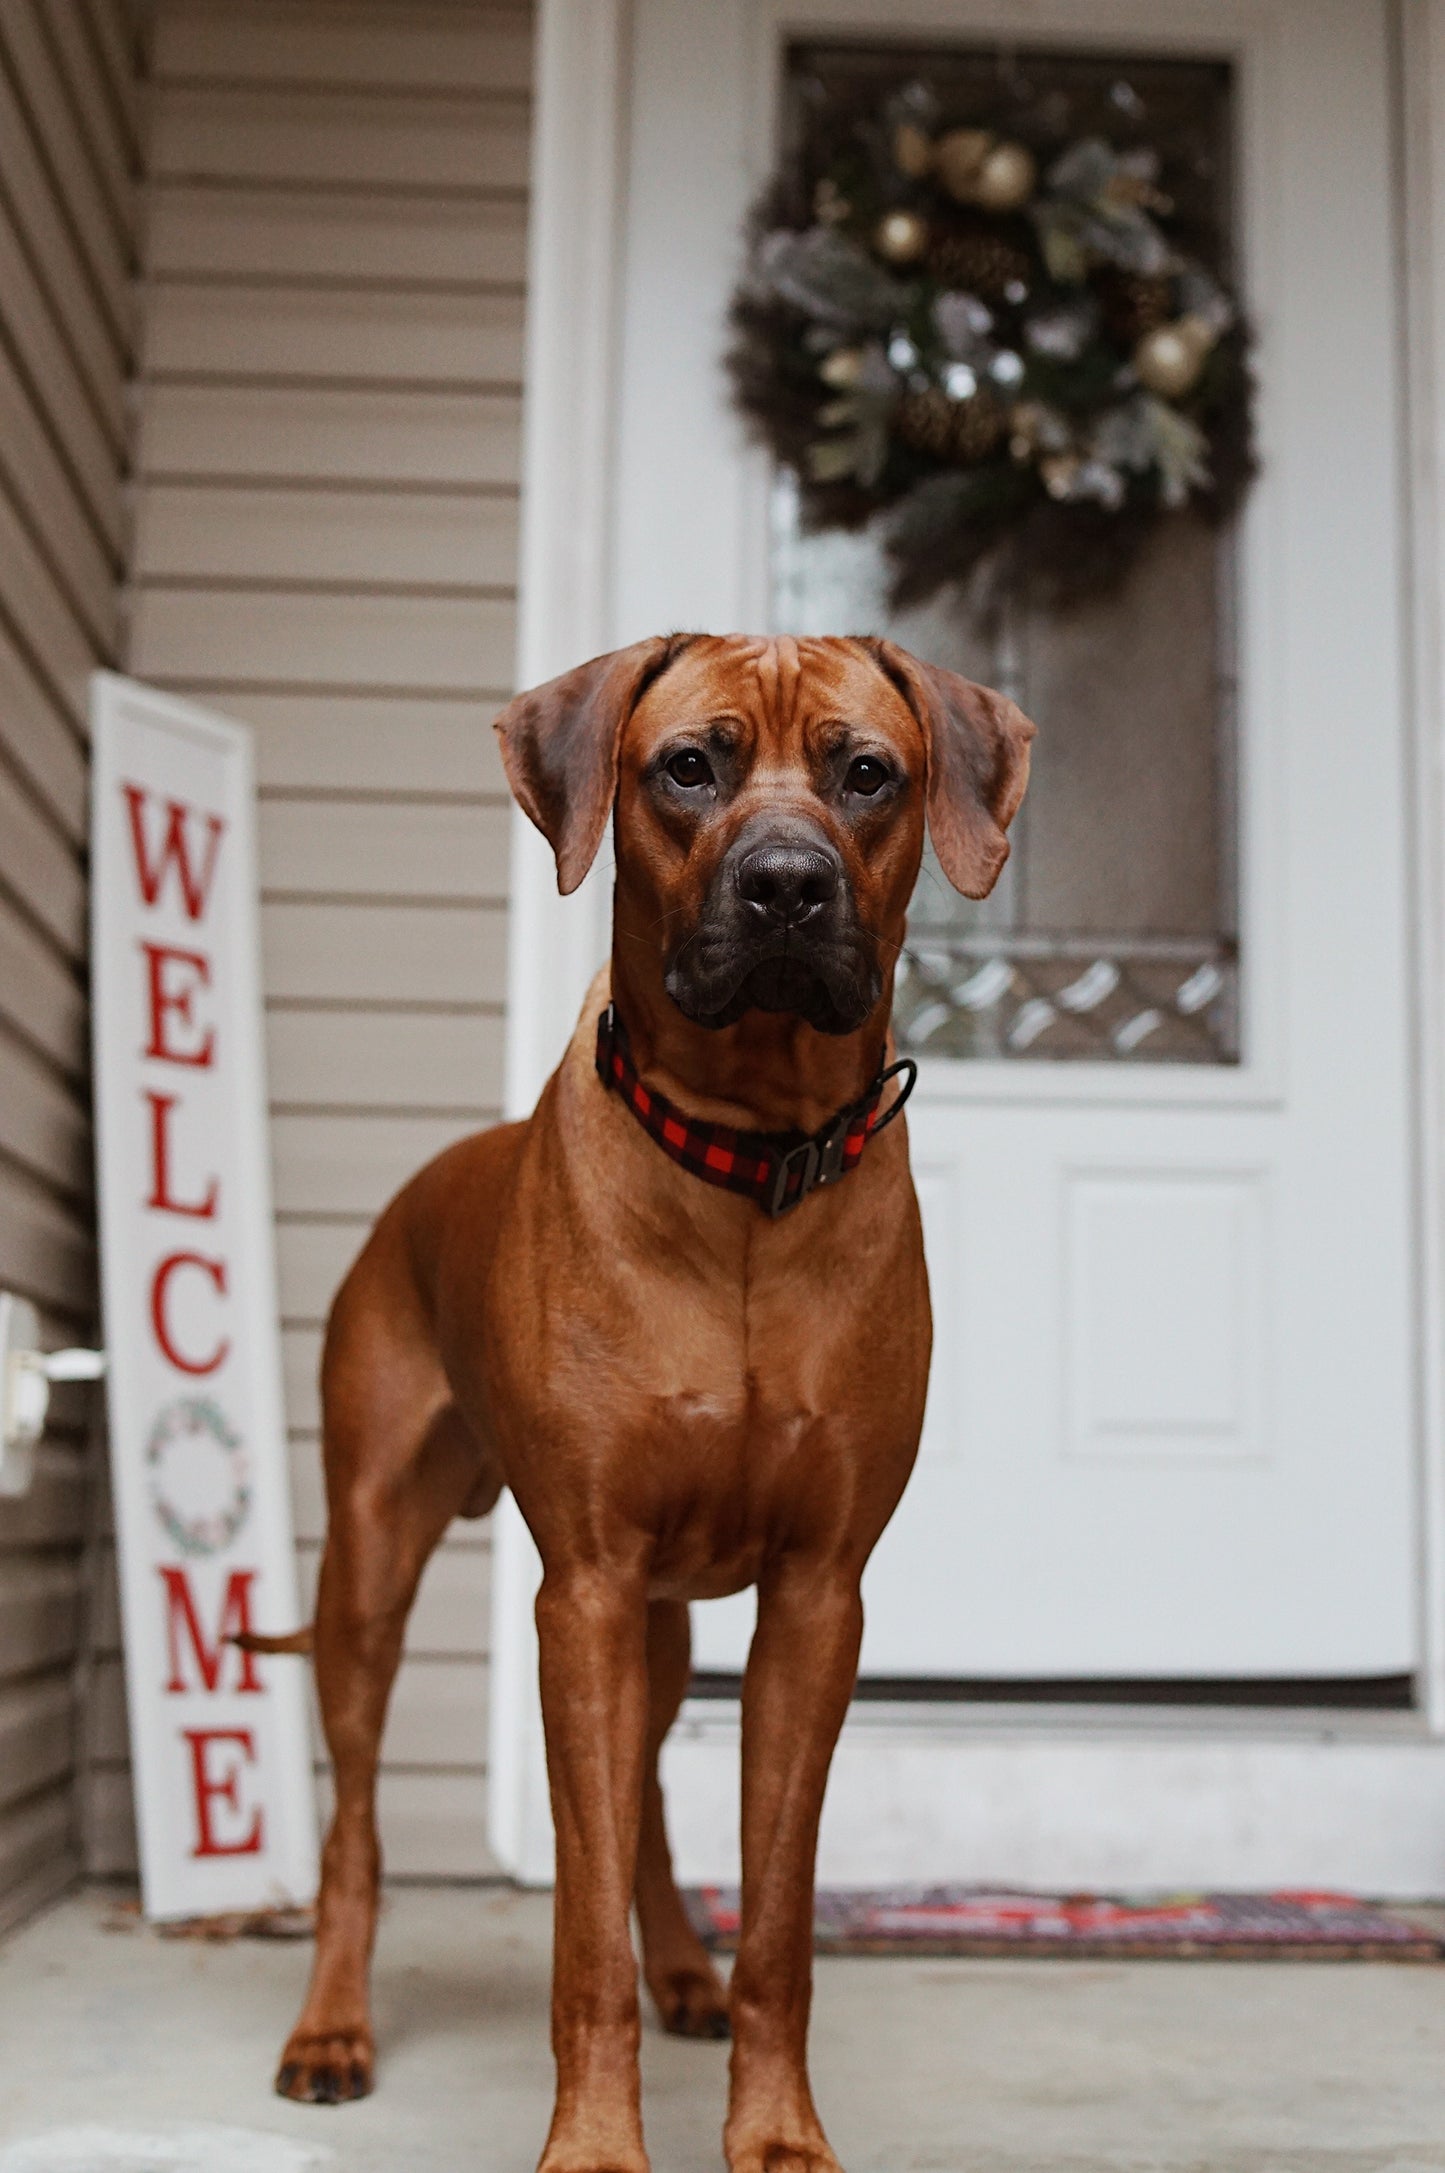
pixel 444 539
pixel 443 849
pixel 39 616
pixel 101 226
pixel 113 31
pixel 256 331
pixel 87 419
pixel 383 953
pixel 308 1494
pixel 47 1251
pixel 53 1512
pixel 328 1059
pixel 373 743
pixel 41 741
pixel 355 47
pixel 280 133
pixel 55 256
pixel 452 1609
pixel 37 1736
pixel 333 1164
pixel 433 1825
pixel 106 138
pixel 38 481
pixel 37 1853
pixel 110 1844
pixel 39 865
pixel 303 637
pixel 296 235
pixel 312 1261
pixel 39 1614
pixel 308 1480
pixel 330 436
pixel 301 1378
pixel 43 1124
pixel 40 995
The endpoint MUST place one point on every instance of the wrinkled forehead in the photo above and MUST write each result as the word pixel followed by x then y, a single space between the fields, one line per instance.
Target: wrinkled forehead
pixel 779 689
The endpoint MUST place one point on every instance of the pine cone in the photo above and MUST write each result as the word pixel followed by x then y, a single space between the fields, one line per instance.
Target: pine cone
pixel 962 430
pixel 978 259
pixel 1134 305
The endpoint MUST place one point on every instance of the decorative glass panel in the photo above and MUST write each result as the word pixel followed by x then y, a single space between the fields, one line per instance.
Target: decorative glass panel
pixel 1112 934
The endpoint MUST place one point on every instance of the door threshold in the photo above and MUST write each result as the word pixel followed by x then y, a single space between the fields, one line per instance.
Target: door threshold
pixel 714 1716
pixel 1101 1799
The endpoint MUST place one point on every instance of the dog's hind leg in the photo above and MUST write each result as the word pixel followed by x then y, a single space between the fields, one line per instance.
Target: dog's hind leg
pixel 689 1995
pixel 399 1465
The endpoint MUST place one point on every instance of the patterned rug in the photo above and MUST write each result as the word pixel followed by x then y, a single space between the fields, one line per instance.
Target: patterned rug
pixel 978 1920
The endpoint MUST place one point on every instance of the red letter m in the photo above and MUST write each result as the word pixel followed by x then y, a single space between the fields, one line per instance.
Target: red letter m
pixel 235 1619
pixel 151 874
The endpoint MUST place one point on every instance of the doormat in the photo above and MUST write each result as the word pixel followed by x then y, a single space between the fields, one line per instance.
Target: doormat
pixel 984 1921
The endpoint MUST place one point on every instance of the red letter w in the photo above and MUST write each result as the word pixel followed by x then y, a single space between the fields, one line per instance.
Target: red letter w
pixel 195 884
pixel 235 1619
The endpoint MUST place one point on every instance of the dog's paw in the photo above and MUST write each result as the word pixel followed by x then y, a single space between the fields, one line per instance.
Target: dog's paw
pixel 692 2003
pixel 321 2068
pixel 800 2153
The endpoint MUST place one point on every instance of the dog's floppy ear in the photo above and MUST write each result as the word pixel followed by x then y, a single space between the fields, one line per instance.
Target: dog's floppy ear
pixel 560 747
pixel 977 743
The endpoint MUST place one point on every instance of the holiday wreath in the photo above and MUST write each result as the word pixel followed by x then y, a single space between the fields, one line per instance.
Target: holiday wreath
pixel 1024 348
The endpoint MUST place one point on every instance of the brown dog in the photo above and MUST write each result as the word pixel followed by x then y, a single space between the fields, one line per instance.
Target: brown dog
pixel 686 1392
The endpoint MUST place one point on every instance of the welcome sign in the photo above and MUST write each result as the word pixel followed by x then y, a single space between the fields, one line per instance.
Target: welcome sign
pixel 219 1743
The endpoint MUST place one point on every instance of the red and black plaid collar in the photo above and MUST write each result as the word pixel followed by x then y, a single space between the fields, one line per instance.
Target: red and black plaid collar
pixel 777 1169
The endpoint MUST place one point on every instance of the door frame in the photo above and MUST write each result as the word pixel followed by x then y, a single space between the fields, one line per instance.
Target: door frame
pixel 1107 1795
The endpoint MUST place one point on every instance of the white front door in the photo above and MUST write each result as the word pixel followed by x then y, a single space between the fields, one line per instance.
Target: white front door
pixel 1171 1426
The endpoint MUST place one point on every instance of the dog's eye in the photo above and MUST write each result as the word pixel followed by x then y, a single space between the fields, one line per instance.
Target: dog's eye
pixel 688 767
pixel 866 775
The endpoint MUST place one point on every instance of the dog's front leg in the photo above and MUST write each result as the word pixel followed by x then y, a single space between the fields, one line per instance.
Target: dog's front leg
pixel 592 1629
pixel 799 1679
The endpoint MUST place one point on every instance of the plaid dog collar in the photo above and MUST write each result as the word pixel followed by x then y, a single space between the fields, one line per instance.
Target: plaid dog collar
pixel 777 1169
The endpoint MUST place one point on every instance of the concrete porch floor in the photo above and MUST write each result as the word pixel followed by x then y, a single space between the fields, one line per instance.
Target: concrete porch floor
pixel 983 2067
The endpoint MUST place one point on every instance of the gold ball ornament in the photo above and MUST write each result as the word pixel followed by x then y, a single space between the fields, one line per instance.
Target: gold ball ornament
pixel 1170 358
pixel 912 150
pixel 901 236
pixel 841 369
pixel 1060 472
pixel 1006 179
pixel 959 156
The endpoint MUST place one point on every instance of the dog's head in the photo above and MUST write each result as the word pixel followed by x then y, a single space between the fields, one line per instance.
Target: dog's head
pixel 770 802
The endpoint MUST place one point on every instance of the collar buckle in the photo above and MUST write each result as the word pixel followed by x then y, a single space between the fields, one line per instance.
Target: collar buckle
pixel 817 1161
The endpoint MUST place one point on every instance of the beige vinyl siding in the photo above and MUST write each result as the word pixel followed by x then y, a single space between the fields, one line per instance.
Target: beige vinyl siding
pixel 68 197
pixel 326 520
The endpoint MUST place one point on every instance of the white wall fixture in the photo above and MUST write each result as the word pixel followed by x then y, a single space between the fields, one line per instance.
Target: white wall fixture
pixel 220 1746
pixel 26 1374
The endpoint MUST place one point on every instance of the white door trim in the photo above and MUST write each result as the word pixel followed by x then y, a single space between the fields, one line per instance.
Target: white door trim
pixel 1365 1803
pixel 1420 63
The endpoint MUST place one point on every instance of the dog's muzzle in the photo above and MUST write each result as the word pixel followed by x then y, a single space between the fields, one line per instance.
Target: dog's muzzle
pixel 778 931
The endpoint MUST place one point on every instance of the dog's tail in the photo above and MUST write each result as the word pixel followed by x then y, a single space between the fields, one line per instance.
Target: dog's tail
pixel 249 1641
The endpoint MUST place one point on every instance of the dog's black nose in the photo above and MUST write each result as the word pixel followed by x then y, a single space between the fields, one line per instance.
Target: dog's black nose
pixel 788 883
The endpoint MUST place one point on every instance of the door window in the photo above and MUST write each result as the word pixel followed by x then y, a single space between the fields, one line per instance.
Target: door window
pixel 1113 932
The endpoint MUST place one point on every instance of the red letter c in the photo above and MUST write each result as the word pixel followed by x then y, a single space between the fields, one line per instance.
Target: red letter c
pixel 216 1270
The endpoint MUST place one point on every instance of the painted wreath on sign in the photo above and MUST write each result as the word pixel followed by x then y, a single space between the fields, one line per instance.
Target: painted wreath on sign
pixel 1021 351
pixel 200 1476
